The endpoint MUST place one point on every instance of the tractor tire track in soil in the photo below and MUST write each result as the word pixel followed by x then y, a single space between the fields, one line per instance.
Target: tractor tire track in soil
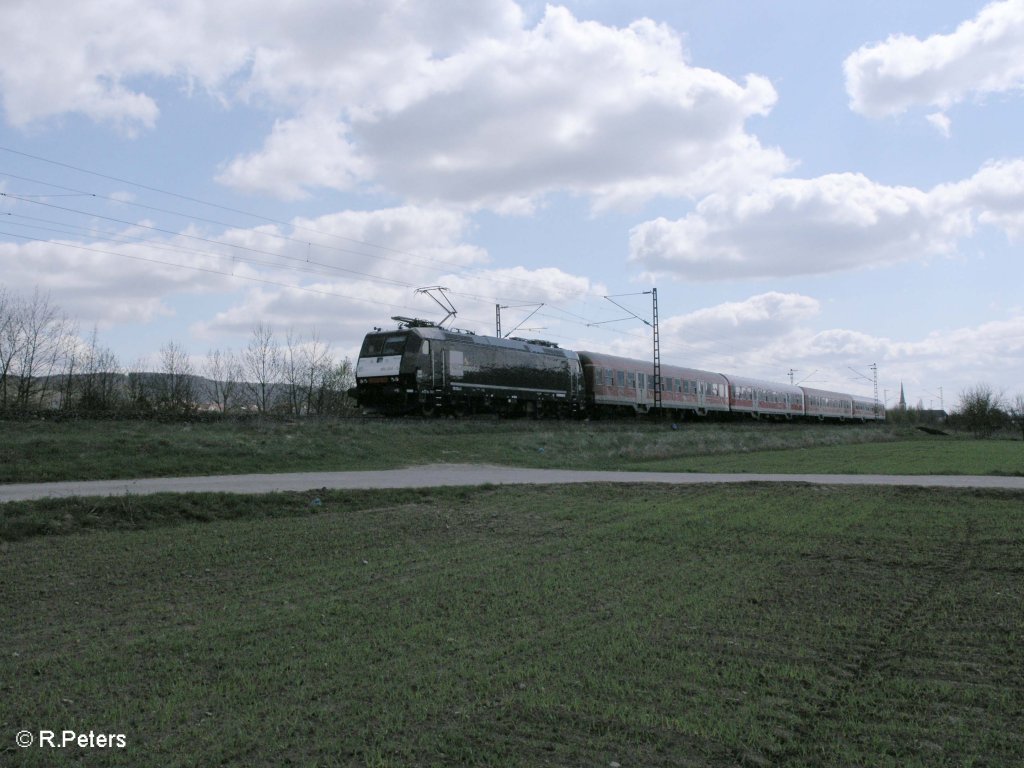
pixel 880 657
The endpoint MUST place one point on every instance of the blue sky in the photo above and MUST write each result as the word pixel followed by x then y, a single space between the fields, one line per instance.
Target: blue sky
pixel 810 186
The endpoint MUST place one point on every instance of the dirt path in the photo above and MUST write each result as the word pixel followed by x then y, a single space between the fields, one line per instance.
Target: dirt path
pixel 462 474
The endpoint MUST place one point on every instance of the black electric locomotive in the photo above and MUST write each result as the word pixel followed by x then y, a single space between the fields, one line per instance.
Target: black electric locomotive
pixel 421 367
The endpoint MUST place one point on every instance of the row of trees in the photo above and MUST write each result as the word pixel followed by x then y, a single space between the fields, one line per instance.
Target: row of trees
pixel 983 411
pixel 299 377
pixel 45 365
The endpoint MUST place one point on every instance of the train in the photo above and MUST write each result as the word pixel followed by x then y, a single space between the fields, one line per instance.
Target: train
pixel 423 368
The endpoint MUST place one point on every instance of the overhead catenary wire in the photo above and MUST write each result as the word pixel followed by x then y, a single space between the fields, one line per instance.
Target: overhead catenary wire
pixel 267 219
pixel 208 270
pixel 274 235
pixel 192 217
pixel 306 264
pixel 210 241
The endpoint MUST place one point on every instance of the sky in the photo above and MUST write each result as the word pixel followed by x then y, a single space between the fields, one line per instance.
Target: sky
pixel 813 188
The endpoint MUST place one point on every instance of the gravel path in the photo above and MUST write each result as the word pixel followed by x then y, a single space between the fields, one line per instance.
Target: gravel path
pixel 461 474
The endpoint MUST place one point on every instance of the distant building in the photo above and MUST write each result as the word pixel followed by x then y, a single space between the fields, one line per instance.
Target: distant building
pixel 903 399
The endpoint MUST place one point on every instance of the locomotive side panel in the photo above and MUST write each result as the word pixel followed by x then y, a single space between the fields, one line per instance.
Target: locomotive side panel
pixel 510 375
pixel 432 370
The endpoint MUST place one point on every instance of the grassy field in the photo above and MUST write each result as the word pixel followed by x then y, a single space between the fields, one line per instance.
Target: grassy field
pixel 644 626
pixel 88 450
pixel 916 456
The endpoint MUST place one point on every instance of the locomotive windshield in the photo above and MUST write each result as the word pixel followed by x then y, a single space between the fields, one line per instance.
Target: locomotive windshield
pixel 384 345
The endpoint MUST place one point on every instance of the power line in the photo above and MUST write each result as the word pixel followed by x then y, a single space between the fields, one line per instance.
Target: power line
pixel 192 217
pixel 206 240
pixel 207 270
pixel 218 206
pixel 428 262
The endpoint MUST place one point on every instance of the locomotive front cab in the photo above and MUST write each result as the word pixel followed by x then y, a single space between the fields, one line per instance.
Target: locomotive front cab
pixel 385 375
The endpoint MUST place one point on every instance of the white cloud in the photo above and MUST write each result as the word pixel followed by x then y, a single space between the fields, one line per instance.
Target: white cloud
pixel 90 57
pixel 995 194
pixel 797 226
pixel 273 169
pixel 97 58
pixel 108 282
pixel 828 224
pixel 613 113
pixel 941 122
pixel 450 101
pixel 514 284
pixel 413 243
pixel 984 55
pixel 760 317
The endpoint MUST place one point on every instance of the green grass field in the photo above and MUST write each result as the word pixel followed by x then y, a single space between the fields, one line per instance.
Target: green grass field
pixel 917 456
pixel 514 626
pixel 89 450
pixel 644 626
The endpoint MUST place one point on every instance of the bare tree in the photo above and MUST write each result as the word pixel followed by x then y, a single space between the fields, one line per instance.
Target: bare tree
pixel 1016 413
pixel 306 365
pixel 10 343
pixel 176 385
pixel 261 362
pixel 316 367
pixel 225 373
pixel 140 390
pixel 293 371
pixel 92 377
pixel 35 342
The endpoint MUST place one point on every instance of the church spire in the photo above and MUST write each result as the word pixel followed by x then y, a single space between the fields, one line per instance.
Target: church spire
pixel 903 399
